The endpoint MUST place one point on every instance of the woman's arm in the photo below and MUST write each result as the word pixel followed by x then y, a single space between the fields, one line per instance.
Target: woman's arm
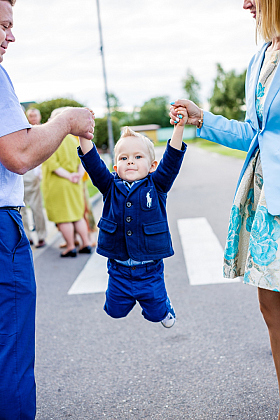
pixel 229 133
pixel 216 128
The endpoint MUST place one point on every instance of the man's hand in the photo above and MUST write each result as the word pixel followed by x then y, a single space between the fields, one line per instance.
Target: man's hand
pixel 80 120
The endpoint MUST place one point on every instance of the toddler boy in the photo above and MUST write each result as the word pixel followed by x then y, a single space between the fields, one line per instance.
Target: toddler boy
pixel 133 230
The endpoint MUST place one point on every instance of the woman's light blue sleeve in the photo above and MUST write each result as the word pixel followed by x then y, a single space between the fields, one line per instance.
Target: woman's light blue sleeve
pixel 229 133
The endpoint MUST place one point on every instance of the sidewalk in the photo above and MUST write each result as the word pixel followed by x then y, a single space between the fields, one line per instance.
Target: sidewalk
pixel 53 233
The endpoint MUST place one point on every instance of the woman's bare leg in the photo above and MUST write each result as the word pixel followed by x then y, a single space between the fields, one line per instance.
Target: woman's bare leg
pixel 67 230
pixel 270 308
pixel 81 228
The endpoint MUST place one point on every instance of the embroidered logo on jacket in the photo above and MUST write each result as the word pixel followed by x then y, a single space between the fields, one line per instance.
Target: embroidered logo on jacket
pixel 149 199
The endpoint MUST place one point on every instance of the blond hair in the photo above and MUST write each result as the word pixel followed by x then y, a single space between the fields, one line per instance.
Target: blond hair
pixel 268 18
pixel 128 132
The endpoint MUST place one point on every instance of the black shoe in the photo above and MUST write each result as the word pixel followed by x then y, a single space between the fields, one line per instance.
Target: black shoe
pixel 72 253
pixel 41 243
pixel 85 250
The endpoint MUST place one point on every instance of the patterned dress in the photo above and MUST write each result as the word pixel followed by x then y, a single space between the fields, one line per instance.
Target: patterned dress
pixel 253 242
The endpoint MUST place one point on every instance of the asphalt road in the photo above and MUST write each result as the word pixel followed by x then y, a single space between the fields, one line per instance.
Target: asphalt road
pixel 215 363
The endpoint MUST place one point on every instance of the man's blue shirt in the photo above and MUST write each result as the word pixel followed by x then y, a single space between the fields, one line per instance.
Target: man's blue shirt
pixel 12 119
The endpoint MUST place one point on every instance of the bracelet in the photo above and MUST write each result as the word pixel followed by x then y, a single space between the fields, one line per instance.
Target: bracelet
pixel 200 121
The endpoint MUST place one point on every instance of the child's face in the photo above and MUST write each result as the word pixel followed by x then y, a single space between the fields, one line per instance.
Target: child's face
pixel 133 161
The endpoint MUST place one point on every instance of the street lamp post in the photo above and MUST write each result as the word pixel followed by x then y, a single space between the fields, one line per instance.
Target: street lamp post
pixel 109 121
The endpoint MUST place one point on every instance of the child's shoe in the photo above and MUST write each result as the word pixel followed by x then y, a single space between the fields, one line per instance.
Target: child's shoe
pixel 170 318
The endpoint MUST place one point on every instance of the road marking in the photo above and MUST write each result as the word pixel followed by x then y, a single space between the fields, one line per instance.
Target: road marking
pixel 202 251
pixel 93 278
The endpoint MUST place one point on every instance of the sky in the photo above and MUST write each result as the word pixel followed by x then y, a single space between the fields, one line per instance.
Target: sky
pixel 148 46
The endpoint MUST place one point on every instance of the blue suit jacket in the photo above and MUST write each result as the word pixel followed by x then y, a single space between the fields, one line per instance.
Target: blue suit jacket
pixel 248 136
pixel 134 223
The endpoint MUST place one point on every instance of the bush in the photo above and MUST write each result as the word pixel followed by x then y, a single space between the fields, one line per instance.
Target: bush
pixel 101 137
pixel 47 107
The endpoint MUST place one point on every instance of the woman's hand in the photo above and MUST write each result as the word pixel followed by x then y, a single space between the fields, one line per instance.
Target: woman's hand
pixel 193 112
pixel 71 176
pixel 74 177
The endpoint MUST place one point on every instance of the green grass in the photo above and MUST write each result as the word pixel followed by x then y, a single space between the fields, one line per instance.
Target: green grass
pixel 217 148
pixel 92 190
pixel 213 147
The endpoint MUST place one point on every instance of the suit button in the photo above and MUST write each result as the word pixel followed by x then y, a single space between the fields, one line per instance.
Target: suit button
pixel 129 233
pixel 128 204
pixel 128 219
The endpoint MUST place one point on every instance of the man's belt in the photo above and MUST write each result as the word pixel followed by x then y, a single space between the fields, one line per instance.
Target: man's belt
pixel 10 208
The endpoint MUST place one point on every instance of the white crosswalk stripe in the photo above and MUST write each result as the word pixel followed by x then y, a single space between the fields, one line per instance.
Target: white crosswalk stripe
pixel 93 278
pixel 202 251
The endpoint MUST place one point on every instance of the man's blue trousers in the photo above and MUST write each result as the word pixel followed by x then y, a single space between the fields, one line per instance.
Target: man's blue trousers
pixel 17 320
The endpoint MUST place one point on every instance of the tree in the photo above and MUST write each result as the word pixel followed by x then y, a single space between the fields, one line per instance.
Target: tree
pixel 191 87
pixel 155 111
pixel 47 107
pixel 101 137
pixel 124 118
pixel 228 98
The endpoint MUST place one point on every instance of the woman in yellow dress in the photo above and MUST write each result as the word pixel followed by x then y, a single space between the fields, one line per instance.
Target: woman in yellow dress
pixel 63 194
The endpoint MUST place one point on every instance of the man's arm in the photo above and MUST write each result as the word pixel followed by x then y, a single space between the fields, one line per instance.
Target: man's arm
pixel 25 149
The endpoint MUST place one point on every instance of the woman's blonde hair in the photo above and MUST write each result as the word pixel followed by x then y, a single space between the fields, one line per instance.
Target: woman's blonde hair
pixel 268 18
pixel 127 132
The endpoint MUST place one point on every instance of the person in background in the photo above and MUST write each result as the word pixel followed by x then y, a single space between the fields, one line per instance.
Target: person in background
pixel 22 148
pixel 253 242
pixel 88 215
pixel 63 193
pixel 32 193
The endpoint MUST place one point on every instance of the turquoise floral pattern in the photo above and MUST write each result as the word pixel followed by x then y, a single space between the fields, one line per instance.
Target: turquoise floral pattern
pixel 264 235
pixel 260 90
pixel 251 212
pixel 253 243
pixel 233 233
pixel 259 102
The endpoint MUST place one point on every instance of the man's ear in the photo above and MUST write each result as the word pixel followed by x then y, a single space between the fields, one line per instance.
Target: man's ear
pixel 153 167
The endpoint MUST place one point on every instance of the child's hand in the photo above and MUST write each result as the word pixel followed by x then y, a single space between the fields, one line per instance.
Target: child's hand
pixel 182 116
pixel 179 125
pixel 194 112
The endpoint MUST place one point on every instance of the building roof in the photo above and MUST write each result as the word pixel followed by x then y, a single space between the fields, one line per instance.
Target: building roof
pixel 147 127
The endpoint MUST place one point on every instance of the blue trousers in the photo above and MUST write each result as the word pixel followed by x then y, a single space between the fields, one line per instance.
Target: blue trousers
pixel 143 283
pixel 17 320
